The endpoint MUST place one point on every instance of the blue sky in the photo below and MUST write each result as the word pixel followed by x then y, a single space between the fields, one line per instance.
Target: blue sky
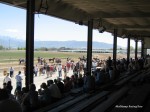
pixel 13 23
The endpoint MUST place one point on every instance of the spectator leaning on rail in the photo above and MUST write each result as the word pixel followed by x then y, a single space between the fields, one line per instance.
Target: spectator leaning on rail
pixel 99 76
pixel 80 81
pixel 67 84
pixel 89 83
pixel 45 95
pixel 60 85
pixel 30 100
pixel 7 104
pixel 54 90
pixel 9 87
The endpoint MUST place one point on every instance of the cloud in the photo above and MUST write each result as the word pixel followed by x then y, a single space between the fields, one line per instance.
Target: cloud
pixel 15 33
pixel 12 30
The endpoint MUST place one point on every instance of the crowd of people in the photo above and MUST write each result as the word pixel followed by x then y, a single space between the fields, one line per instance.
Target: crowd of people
pixel 29 100
pixel 51 91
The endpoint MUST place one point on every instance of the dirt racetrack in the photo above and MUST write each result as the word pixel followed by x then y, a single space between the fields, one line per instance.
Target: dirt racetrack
pixel 17 67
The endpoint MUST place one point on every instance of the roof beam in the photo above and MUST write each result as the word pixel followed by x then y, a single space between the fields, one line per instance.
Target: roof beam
pixel 133 26
pixel 65 11
pixel 116 14
pixel 140 33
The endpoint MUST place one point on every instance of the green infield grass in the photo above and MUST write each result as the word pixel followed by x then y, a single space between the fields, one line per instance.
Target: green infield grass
pixel 15 55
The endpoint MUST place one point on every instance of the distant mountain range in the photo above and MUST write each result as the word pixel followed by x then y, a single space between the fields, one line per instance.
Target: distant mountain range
pixel 11 42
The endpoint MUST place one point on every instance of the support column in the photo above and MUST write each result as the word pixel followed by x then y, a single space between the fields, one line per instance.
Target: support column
pixel 89 46
pixel 115 47
pixel 29 42
pixel 128 51
pixel 136 45
pixel 142 48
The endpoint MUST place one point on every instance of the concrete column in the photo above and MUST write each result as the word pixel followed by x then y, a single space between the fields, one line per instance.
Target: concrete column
pixel 115 47
pixel 128 51
pixel 142 48
pixel 136 48
pixel 29 42
pixel 89 46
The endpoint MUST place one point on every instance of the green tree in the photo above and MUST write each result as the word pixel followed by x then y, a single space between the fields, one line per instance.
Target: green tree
pixel 1 47
pixel 42 49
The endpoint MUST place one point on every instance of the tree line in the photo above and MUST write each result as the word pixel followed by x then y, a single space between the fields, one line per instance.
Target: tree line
pixel 55 49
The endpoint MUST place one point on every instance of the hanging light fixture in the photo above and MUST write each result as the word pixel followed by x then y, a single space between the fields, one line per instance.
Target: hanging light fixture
pixel 101 28
pixel 43 7
pixel 80 22
pixel 124 36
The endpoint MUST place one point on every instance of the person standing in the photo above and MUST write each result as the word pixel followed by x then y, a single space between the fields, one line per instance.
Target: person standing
pixel 11 71
pixel 48 71
pixel 65 72
pixel 6 79
pixel 60 70
pixel 36 70
pixel 51 70
pixel 18 80
pixel 40 71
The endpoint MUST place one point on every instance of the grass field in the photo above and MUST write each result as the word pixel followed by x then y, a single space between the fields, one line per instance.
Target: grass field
pixel 13 56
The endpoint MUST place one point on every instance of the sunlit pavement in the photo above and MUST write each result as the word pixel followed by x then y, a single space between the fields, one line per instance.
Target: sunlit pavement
pixel 37 80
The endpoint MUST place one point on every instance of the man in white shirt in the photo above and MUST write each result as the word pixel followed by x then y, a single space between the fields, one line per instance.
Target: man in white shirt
pixel 6 79
pixel 18 80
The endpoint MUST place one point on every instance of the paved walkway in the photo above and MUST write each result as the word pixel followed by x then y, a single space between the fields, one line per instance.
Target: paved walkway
pixel 37 80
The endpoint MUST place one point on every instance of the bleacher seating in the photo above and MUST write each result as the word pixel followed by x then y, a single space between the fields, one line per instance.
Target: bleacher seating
pixel 104 99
